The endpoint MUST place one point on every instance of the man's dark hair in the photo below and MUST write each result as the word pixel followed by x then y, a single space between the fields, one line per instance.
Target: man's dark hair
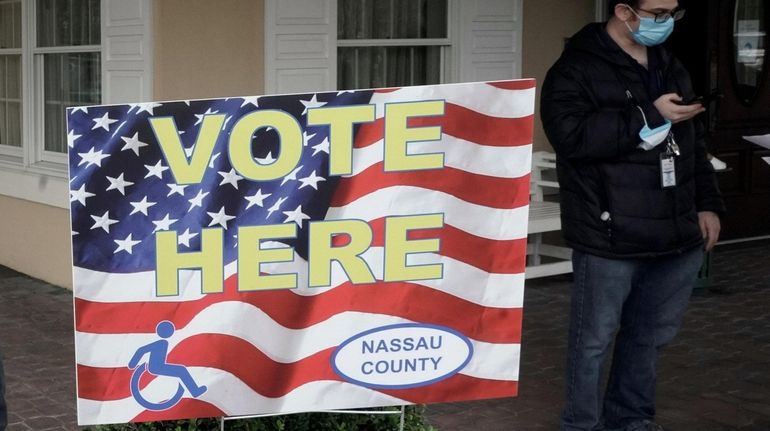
pixel 612 3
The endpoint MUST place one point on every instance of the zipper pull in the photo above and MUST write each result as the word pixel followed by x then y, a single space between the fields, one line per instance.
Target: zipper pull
pixel 607 219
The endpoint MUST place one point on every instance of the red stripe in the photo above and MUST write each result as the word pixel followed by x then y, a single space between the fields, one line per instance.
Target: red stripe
pixel 104 384
pixel 231 354
pixel 494 325
pixel 519 84
pixel 458 388
pixel 274 379
pixel 516 84
pixel 498 257
pixel 238 357
pixel 494 192
pixel 462 123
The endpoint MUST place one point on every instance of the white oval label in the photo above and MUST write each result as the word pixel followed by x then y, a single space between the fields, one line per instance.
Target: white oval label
pixel 402 356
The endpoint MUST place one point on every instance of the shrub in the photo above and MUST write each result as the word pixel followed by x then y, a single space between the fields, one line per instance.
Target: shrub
pixel 414 420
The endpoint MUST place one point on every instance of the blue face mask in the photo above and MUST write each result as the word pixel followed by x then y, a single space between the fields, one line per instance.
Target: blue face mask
pixel 651 138
pixel 651 33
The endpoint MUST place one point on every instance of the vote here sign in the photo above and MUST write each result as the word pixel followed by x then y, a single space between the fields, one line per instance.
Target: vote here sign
pixel 288 253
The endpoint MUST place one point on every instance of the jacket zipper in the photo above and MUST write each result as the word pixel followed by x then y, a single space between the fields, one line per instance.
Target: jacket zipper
pixel 666 74
pixel 673 194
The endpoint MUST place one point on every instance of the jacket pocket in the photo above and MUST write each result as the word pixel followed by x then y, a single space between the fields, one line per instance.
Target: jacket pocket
pixel 605 200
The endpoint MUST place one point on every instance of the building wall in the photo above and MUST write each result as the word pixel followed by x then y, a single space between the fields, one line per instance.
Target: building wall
pixel 36 240
pixel 207 48
pixel 546 24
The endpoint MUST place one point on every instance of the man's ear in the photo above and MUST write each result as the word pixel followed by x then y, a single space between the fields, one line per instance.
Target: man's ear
pixel 623 13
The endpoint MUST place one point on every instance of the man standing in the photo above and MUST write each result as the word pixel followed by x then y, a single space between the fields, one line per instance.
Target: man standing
pixel 639 205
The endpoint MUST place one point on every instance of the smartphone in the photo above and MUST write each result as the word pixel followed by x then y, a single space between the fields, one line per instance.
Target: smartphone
pixel 703 100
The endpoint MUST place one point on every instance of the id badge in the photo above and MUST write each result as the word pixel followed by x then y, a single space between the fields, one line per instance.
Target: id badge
pixel 667 170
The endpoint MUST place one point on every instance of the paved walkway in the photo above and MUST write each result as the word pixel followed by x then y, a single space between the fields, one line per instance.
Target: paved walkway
pixel 37 341
pixel 715 377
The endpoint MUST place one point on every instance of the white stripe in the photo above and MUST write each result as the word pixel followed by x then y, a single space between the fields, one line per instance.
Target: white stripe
pixel 459 154
pixel 479 220
pixel 494 361
pixel 484 99
pixel 460 280
pixel 235 398
pixel 283 345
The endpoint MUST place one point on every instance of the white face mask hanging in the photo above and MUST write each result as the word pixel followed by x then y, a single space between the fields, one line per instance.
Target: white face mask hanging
pixel 651 138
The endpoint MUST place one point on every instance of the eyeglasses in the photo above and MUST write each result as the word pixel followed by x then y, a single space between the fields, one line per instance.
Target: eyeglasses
pixel 665 16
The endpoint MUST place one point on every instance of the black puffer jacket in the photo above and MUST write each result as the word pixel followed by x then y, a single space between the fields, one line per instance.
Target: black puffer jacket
pixel 594 127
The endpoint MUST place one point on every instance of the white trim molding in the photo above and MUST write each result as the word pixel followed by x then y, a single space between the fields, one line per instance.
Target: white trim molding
pixel 490 42
pixel 483 43
pixel 34 185
pixel 300 46
pixel 126 51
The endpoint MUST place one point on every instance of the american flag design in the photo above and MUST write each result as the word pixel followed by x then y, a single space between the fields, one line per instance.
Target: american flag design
pixel 279 351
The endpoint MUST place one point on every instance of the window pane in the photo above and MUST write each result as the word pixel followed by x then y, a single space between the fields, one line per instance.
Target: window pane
pixel 392 66
pixel 68 22
pixel 391 19
pixel 10 24
pixel 10 100
pixel 435 19
pixel 70 80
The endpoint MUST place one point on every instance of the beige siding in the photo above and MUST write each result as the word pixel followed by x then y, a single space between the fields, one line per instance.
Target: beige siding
pixel 35 239
pixel 207 48
pixel 546 24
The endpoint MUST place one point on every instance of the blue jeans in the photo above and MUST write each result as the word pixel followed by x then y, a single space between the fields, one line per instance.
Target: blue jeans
pixel 637 302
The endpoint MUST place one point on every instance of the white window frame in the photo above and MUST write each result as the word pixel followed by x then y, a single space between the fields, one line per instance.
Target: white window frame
pixel 7 152
pixel 447 44
pixel 34 174
pixel 32 155
pixel 39 155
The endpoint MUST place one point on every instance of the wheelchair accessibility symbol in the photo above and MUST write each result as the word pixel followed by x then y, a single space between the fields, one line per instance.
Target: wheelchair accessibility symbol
pixel 156 365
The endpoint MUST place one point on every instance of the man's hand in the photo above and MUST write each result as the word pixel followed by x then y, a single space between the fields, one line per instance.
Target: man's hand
pixel 709 227
pixel 674 112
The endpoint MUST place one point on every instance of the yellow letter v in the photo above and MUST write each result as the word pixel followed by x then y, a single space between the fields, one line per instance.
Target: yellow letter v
pixel 184 171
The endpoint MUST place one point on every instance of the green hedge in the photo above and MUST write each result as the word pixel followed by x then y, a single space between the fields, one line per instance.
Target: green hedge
pixel 414 420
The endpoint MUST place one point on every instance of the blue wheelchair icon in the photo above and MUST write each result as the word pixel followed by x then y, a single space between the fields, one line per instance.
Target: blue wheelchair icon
pixel 156 365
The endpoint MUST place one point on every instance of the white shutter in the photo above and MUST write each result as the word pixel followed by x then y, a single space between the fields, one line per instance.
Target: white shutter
pixel 490 39
pixel 300 46
pixel 126 51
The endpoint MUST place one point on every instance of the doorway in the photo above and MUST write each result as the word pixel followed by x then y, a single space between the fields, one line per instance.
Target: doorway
pixel 724 44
